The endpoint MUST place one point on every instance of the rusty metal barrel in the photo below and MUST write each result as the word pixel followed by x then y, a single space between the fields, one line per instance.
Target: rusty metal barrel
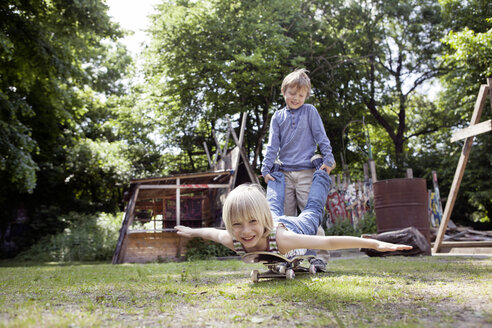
pixel 401 203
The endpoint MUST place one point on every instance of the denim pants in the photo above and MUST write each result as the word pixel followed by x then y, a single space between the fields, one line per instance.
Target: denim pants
pixel 310 219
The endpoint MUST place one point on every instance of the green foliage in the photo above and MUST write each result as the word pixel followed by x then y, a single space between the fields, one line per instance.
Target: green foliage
pixel 343 227
pixel 97 171
pixel 212 58
pixel 200 249
pixel 472 49
pixel 87 237
pixel 468 58
pixel 392 52
pixel 48 51
pixel 69 138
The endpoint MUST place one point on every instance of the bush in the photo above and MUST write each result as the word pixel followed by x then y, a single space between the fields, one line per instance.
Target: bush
pixel 87 237
pixel 344 227
pixel 368 224
pixel 200 249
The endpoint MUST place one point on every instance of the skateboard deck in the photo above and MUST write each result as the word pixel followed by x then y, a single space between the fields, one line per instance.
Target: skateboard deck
pixel 278 265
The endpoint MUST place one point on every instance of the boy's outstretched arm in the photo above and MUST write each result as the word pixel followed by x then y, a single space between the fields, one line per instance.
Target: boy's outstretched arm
pixel 288 240
pixel 213 234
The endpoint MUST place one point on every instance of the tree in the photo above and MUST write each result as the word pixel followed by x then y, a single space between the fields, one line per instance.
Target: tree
pixel 467 53
pixel 209 59
pixel 58 59
pixel 367 58
pixel 391 49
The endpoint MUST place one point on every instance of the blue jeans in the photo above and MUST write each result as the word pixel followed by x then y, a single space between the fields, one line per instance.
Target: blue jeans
pixel 310 219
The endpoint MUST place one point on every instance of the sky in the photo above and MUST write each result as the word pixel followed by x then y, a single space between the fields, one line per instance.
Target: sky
pixel 132 15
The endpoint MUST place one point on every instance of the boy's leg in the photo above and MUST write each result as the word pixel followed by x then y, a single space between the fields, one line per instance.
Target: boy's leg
pixel 290 202
pixel 304 181
pixel 275 194
pixel 310 219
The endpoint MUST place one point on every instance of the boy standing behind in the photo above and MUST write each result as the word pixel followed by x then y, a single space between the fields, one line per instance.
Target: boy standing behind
pixel 295 132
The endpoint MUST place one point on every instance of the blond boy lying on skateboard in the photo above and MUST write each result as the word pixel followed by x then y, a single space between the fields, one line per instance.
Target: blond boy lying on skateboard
pixel 255 222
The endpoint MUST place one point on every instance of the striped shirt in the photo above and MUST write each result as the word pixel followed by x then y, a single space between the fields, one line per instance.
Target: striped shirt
pixel 272 246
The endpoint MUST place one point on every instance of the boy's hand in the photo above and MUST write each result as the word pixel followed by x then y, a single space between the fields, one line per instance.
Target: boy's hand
pixel 327 168
pixel 388 247
pixel 267 178
pixel 184 231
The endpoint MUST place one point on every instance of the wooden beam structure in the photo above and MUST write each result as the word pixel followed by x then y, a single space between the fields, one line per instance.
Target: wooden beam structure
pixel 127 221
pixel 239 143
pixel 468 134
pixel 472 131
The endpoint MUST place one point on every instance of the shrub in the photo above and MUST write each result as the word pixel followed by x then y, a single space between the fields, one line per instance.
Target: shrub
pixel 368 224
pixel 343 227
pixel 87 237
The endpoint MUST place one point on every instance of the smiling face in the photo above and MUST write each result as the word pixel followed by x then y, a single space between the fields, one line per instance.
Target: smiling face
pixel 250 233
pixel 295 97
pixel 296 88
pixel 247 216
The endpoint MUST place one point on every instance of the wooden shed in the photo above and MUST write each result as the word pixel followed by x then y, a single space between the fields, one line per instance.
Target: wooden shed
pixel 156 205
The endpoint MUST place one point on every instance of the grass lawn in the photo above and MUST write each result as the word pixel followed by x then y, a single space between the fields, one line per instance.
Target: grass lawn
pixel 362 292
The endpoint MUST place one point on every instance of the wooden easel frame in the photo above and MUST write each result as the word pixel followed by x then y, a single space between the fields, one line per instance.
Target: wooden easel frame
pixel 239 143
pixel 468 133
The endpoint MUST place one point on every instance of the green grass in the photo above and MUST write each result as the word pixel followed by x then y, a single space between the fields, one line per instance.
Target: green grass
pixel 367 292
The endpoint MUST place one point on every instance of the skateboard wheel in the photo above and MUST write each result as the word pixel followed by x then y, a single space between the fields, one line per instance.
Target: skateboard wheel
pixel 289 274
pixel 254 275
pixel 282 268
pixel 312 269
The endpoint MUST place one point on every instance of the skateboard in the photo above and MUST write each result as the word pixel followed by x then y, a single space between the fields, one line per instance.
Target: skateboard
pixel 278 266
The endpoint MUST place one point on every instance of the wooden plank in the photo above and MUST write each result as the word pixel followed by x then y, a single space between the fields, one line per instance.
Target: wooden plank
pixel 473 130
pixel 124 226
pixel 239 142
pixel 460 169
pixel 217 148
pixel 208 154
pixel 224 149
pixel 453 193
pixel 480 243
pixel 149 247
pixel 249 169
pixel 372 166
pixel 183 176
pixel 184 186
pixel 479 104
pixel 178 203
pixel 143 231
pixel 489 83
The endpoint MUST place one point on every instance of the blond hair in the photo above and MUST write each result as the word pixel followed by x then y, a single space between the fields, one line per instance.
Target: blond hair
pixel 297 79
pixel 245 202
